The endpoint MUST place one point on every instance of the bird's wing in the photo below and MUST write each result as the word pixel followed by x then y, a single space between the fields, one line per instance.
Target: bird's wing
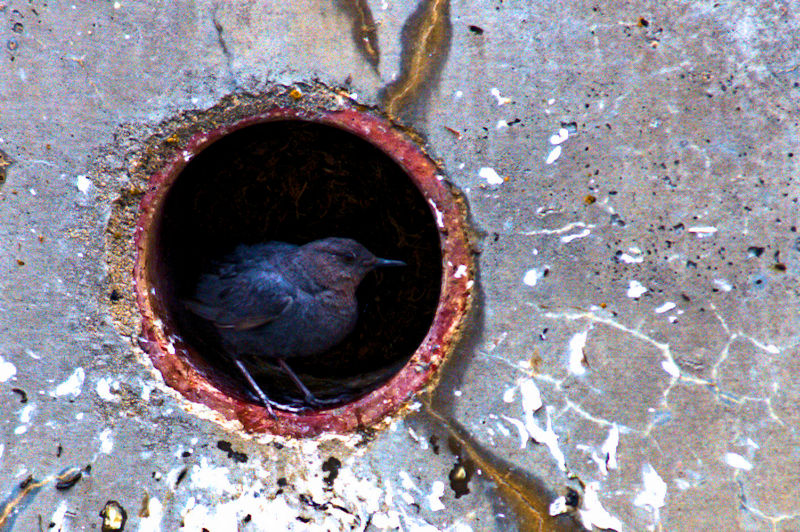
pixel 251 298
pixel 263 251
pixel 244 257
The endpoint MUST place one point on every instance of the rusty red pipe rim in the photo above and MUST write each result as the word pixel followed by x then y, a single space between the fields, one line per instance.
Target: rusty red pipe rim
pixel 457 269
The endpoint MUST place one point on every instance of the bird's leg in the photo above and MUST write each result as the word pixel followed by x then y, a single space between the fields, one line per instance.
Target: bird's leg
pixel 255 387
pixel 309 397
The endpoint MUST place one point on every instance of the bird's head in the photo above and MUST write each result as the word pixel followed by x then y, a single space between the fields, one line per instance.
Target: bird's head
pixel 341 262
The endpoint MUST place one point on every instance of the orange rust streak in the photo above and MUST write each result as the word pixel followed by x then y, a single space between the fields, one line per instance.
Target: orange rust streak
pixel 431 30
pixel 8 510
pixel 531 509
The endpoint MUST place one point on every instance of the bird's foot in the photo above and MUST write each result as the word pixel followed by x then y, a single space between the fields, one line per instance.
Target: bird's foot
pixel 312 403
pixel 268 404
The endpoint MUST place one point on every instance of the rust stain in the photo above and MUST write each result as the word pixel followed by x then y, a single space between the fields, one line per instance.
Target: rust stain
pixel 426 40
pixel 28 488
pixel 419 372
pixel 453 132
pixel 365 31
pixel 527 496
pixel 5 162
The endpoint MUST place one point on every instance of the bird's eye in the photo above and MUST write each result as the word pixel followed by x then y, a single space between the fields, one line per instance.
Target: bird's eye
pixel 347 257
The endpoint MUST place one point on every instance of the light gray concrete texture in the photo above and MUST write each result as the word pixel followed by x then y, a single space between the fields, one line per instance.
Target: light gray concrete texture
pixel 631 170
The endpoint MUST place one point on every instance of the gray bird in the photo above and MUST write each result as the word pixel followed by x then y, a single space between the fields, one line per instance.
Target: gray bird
pixel 281 301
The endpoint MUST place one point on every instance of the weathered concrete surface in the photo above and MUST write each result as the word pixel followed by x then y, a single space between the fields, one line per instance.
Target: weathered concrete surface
pixel 643 282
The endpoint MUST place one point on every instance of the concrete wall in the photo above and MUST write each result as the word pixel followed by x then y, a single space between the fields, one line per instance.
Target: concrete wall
pixel 638 265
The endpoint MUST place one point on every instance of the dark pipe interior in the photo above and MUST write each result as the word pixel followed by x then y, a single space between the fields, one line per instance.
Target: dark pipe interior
pixel 296 182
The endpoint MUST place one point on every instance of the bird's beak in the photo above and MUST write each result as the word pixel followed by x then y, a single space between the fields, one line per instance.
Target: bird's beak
pixel 387 263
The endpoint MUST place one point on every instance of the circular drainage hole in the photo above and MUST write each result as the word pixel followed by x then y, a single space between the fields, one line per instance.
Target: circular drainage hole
pixel 295 181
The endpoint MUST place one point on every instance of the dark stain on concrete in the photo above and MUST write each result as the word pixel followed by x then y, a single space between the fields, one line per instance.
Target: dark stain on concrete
pixel 426 44
pixel 5 162
pixel 364 30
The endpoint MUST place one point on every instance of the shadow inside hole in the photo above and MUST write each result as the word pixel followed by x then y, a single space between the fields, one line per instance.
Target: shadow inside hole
pixel 296 182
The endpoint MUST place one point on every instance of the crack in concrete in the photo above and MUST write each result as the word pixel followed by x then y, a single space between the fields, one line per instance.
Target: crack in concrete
pixel 774 520
pixel 226 51
pixel 671 367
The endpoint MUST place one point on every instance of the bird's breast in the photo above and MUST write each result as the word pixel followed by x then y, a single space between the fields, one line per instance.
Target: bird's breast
pixel 311 325
pixel 323 323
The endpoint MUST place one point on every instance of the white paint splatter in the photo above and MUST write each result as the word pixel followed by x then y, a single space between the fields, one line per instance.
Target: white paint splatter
pixel 534 275
pixel 26 413
pixel 434 499
pixel 407 482
pixel 633 257
pixel 274 514
pixel 769 348
pixel 629 259
pixel 561 136
pixel 407 497
pixel 671 367
pixel 71 386
pixel 210 477
pixel 558 506
pixel 553 156
pixel 7 370
pixel 546 436
pixel 501 100
pixel 147 389
pixel 104 387
pixel 559 231
pixel 737 461
pixel 523 432
pixel 57 519
pixel 387 520
pixel 681 484
pixel 423 443
pixel 106 443
pixel 530 395
pixel 702 231
pixel 155 511
pixel 83 184
pixel 593 514
pixel 609 447
pixel 752 444
pixel 438 213
pixel 461 271
pixel 508 395
pixel 490 176
pixel 502 429
pixel 653 493
pixel 576 358
pixel 723 285
pixel 636 289
pixel 666 307
pixel 569 238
